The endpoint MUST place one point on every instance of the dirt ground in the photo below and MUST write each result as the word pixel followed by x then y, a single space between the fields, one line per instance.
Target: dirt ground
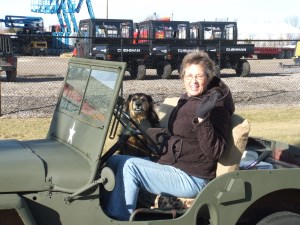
pixel 40 78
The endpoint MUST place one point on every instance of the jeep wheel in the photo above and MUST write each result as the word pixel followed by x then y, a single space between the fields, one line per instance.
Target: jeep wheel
pixel 11 75
pixel 243 68
pixel 164 70
pixel 280 218
pixel 138 72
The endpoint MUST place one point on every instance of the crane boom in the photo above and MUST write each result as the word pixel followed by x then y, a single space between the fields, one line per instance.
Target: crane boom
pixel 90 9
pixel 23 21
pixel 64 9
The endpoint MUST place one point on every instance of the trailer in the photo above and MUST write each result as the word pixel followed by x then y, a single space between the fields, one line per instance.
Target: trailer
pixel 285 52
pixel 296 58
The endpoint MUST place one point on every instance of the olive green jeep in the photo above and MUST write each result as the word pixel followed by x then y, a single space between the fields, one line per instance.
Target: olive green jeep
pixel 59 180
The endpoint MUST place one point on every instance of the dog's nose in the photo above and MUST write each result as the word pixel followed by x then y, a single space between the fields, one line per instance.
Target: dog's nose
pixel 138 102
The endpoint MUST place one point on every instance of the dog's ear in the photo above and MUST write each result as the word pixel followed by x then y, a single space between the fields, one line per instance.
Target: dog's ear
pixel 150 101
pixel 152 115
pixel 128 101
pixel 153 118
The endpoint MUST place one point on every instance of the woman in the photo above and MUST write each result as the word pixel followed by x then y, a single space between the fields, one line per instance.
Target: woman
pixel 198 129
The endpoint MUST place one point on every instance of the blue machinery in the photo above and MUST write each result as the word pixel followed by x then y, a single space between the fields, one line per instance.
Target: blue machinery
pixel 30 22
pixel 65 10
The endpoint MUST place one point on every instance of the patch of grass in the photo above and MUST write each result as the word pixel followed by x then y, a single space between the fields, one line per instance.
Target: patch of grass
pixel 281 124
pixel 24 129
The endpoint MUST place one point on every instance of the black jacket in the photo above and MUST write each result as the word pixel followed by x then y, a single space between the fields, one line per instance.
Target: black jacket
pixel 196 147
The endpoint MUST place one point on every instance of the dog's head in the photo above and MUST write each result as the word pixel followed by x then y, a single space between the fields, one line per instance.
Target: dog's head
pixel 140 107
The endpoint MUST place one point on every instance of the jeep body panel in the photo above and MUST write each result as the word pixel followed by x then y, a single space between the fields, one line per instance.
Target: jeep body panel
pixel 13 204
pixel 238 191
pixel 50 175
pixel 20 163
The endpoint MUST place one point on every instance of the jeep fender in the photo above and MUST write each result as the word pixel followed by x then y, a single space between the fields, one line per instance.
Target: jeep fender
pixel 12 204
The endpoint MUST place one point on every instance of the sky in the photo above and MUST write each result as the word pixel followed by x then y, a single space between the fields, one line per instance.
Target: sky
pixel 242 11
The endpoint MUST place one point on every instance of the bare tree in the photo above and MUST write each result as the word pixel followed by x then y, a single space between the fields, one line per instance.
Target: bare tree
pixel 293 20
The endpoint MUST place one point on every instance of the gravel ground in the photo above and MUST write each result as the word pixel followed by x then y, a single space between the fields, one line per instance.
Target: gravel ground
pixel 39 81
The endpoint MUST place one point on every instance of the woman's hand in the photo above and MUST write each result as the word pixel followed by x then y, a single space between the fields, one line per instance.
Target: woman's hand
pixel 207 104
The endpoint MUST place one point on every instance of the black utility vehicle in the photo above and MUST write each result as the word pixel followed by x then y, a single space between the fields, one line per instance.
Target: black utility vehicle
pixel 219 39
pixel 8 61
pixel 162 44
pixel 112 40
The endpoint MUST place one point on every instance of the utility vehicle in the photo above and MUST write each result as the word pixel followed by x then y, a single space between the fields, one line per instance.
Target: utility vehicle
pixel 8 60
pixel 220 39
pixel 161 44
pixel 59 180
pixel 29 39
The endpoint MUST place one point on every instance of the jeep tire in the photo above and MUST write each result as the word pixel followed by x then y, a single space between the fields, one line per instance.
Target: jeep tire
pixel 280 218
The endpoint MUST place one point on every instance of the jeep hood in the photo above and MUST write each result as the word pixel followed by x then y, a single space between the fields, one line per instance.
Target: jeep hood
pixel 20 168
pixel 41 165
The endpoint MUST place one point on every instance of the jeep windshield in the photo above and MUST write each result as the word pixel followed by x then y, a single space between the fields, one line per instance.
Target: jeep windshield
pixel 80 96
pixel 85 108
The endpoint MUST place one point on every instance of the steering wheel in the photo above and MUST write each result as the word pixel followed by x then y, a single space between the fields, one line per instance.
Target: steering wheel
pixel 134 129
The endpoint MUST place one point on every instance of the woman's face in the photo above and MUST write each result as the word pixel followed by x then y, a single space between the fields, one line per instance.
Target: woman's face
pixel 195 80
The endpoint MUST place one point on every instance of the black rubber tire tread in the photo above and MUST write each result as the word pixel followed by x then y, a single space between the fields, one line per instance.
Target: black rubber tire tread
pixel 164 71
pixel 137 71
pixel 133 71
pixel 160 69
pixel 167 71
pixel 141 72
pixel 281 55
pixel 281 218
pixel 243 68
pixel 288 54
pixel 11 75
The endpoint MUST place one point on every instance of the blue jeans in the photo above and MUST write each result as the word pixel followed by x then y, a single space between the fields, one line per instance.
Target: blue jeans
pixel 133 174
